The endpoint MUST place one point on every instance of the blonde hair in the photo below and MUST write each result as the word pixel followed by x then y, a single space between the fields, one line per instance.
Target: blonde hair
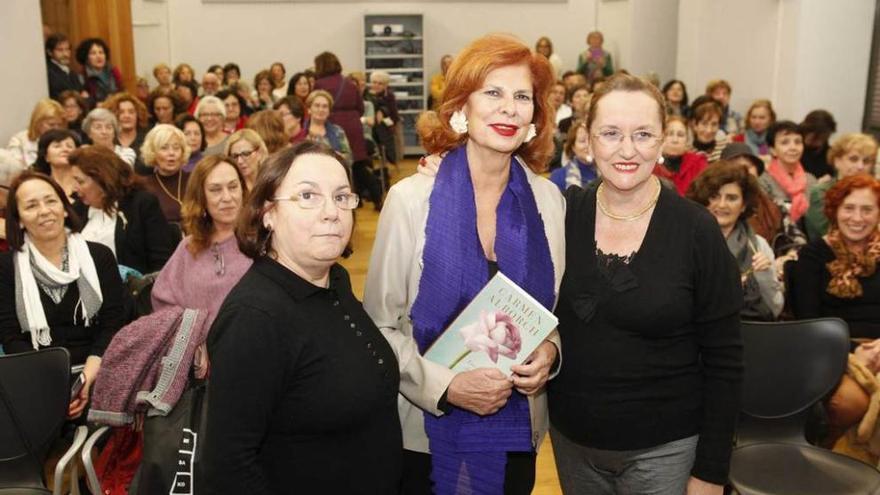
pixel 864 144
pixel 251 137
pixel 315 94
pixel 159 136
pixel 44 110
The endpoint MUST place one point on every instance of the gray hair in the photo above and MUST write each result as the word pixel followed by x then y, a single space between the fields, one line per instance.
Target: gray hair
pixel 380 76
pixel 100 115
pixel 210 100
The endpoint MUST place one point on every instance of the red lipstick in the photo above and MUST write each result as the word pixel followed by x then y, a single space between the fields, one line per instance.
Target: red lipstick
pixel 504 129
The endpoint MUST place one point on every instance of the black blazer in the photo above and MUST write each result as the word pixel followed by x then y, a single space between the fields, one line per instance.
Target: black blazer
pixel 61 81
pixel 143 238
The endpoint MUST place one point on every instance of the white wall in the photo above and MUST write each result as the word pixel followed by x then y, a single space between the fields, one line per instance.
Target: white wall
pixel 21 48
pixel 653 38
pixel 614 20
pixel 255 35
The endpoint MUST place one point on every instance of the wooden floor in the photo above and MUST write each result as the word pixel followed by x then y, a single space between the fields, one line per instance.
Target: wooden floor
pixel 365 232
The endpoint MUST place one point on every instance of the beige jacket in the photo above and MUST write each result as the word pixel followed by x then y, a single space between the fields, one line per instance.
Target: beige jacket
pixel 393 283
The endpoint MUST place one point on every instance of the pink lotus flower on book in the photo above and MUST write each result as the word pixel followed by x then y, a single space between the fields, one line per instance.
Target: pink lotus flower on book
pixel 493 333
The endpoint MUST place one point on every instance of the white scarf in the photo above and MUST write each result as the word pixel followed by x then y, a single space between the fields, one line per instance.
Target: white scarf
pixel 101 228
pixel 80 263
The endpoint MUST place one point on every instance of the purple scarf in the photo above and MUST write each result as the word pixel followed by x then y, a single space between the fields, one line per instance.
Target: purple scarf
pixel 469 452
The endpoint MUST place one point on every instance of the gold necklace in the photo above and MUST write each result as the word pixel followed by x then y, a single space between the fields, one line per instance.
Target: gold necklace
pixel 162 185
pixel 634 216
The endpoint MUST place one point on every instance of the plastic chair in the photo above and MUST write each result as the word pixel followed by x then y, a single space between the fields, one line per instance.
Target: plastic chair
pixel 34 395
pixel 789 367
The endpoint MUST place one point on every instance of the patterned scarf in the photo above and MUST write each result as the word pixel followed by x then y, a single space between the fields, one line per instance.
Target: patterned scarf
pixel 469 452
pixel 794 185
pixel 743 245
pixel 847 266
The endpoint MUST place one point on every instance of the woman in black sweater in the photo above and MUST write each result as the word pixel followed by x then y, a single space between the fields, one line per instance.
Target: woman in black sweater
pixel 56 289
pixel 649 390
pixel 303 386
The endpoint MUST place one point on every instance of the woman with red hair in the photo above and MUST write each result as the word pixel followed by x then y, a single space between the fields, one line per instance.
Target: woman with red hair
pixel 438 242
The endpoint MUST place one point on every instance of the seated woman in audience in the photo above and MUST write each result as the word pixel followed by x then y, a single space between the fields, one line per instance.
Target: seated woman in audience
pixel 731 122
pixel 211 112
pixel 165 151
pixel 704 124
pixel 75 109
pixel 208 263
pixel 386 116
pixel 101 79
pixel 163 75
pixel 300 87
pixel 580 169
pixel 595 63
pixel 231 74
pixel 321 408
pixel 836 274
pixel 438 243
pixel 101 128
pixel 47 114
pixel 183 74
pixel 233 103
pixel 263 86
pixel 188 94
pixel 279 82
pixel 767 218
pixel 163 106
pixel 579 100
pixel 118 212
pixel 320 129
pixel 560 108
pixel 292 113
pixel 851 154
pixel 679 165
pixel 270 127
pixel 132 117
pixel 545 47
pixel 676 95
pixel 195 139
pixel 52 158
pixel 247 152
pixel 785 180
pixel 346 104
pixel 56 289
pixel 759 118
pixel 730 193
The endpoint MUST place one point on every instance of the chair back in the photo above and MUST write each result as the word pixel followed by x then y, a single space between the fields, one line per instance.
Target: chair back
pixel 36 386
pixel 789 366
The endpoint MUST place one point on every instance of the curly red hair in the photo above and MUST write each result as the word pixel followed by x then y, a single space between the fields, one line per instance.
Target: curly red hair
pixel 843 188
pixel 466 75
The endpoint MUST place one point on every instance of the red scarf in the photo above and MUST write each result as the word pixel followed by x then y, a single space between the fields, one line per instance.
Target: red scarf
pixel 794 185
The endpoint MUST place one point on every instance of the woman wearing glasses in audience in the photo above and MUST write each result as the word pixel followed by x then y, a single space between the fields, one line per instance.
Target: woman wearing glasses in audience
pixel 211 112
pixel 56 288
pixel 649 315
pixel 440 240
pixel 303 386
pixel 117 210
pixel 207 263
pixel 165 151
pixel 731 193
pixel 247 151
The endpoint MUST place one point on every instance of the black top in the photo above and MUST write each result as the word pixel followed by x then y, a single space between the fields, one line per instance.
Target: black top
pixel 143 239
pixel 65 326
pixel 652 346
pixel 815 161
pixel 60 81
pixel 303 391
pixel 807 283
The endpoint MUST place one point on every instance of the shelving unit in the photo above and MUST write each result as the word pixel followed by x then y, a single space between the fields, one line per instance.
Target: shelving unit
pixel 400 53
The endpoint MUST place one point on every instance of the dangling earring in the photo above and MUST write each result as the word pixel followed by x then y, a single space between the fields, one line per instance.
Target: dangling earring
pixel 589 158
pixel 458 122
pixel 532 132
pixel 661 160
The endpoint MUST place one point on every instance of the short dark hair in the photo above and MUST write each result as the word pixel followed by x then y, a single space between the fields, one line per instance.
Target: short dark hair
pixel 293 103
pixel 782 127
pixel 253 236
pixel 704 107
pixel 721 173
pixel 14 230
pixel 181 122
pixel 53 40
pixel 163 93
pixel 231 66
pixel 214 67
pixel 684 100
pixel 82 50
pixel 820 123
pixel 327 64
pixel 49 137
pixel 226 93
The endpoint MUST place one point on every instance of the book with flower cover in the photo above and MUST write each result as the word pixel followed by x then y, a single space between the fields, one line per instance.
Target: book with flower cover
pixel 499 328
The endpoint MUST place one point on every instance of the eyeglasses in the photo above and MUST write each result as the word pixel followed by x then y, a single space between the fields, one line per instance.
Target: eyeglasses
pixel 242 154
pixel 216 115
pixel 310 200
pixel 613 138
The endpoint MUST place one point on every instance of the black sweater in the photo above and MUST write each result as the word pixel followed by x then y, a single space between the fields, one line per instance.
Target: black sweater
pixel 807 287
pixel 66 328
pixel 303 391
pixel 653 350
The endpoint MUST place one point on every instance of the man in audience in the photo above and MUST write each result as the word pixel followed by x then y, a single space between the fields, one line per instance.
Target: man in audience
pixel 210 84
pixel 731 121
pixel 58 66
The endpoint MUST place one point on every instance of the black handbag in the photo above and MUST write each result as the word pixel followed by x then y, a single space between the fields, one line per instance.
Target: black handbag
pixel 173 446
